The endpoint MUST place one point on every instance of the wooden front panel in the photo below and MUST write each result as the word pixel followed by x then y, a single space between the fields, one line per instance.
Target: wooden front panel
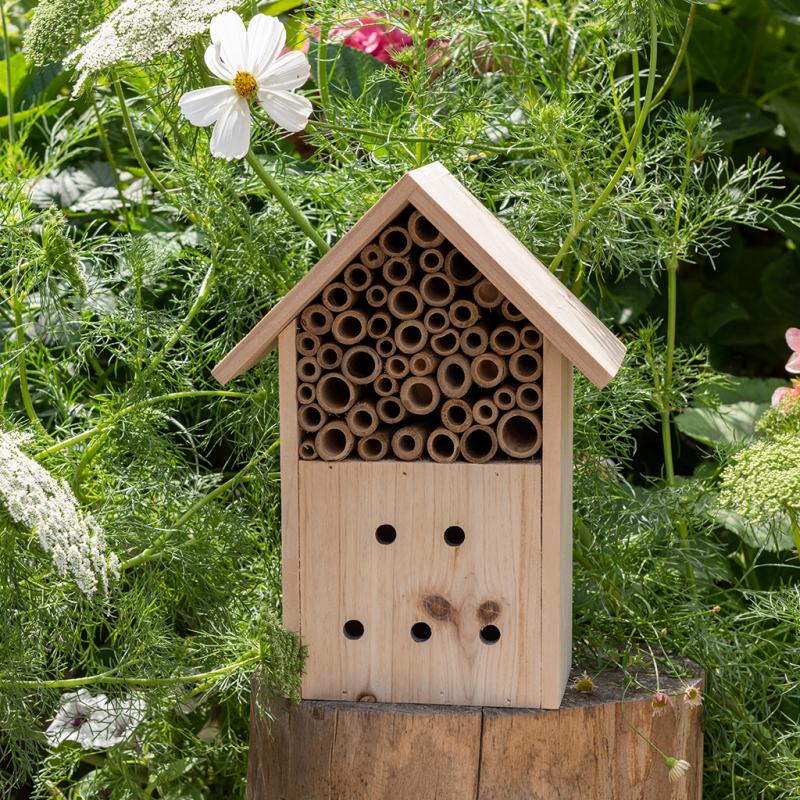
pixel 492 579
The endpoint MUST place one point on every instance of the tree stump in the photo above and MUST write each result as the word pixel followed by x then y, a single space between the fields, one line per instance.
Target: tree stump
pixel 586 750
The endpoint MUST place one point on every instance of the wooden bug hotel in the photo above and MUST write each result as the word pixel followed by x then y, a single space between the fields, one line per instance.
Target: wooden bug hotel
pixel 426 455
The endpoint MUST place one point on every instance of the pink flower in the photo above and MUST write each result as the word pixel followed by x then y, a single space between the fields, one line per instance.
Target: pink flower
pixel 661 704
pixel 371 35
pixel 786 394
pixel 793 340
pixel 692 695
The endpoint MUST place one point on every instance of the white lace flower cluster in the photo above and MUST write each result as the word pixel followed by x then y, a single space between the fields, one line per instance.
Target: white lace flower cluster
pixel 138 30
pixel 34 499
pixel 95 722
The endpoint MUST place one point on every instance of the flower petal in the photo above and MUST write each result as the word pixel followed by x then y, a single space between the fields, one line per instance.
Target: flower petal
pixel 291 111
pixel 205 106
pixel 266 37
pixel 231 137
pixel 290 71
pixel 216 66
pixel 793 339
pixel 793 364
pixel 779 394
pixel 227 30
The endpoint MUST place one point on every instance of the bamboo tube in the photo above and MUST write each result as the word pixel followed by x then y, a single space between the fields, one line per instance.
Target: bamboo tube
pixel 419 394
pixel 316 319
pixel 386 346
pixel 436 320
pixel 504 340
pixel 486 294
pixel 337 297
pixel 460 269
pixel 311 417
pixel 308 452
pixel 397 366
pixel 519 433
pixel 445 343
pixel 504 397
pixel 385 385
pixel 531 337
pixel 329 355
pixel 453 376
pixel 408 442
pixel 464 313
pixel 405 302
pixel 437 289
pixel 474 340
pixel 307 343
pixel 379 325
pixel 349 327
pixel 395 241
pixel 334 441
pixel 306 393
pixel 398 270
pixel 390 410
pixel 488 369
pixel 308 369
pixel 431 260
pixel 410 336
pixel 529 396
pixel 423 232
pixel 511 312
pixel 456 415
pixel 362 418
pixel 374 447
pixel 335 393
pixel 443 446
pixel 377 295
pixel 484 411
pixel 424 362
pixel 372 256
pixel 478 444
pixel 357 277
pixel 361 364
pixel 525 365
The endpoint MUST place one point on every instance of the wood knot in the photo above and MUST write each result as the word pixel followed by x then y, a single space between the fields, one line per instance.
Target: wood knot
pixel 367 698
pixel 438 607
pixel 488 611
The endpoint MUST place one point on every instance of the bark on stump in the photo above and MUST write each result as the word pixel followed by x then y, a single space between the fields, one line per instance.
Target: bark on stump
pixel 323 750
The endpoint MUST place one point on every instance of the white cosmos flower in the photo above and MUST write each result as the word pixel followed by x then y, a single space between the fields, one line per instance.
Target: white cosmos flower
pixel 251 63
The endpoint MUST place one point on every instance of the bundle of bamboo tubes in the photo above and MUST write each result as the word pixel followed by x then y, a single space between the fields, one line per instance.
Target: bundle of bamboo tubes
pixel 412 354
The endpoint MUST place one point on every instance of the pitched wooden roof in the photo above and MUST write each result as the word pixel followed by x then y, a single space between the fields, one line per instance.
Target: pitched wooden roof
pixel 485 241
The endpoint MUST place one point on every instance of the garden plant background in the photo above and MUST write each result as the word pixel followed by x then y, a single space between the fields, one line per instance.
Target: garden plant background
pixel 646 152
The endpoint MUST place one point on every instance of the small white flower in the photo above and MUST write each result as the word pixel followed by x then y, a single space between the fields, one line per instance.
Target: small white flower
pixel 251 62
pixel 94 721
pixel 677 768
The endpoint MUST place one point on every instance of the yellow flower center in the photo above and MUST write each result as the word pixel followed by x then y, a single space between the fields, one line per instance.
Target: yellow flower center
pixel 245 84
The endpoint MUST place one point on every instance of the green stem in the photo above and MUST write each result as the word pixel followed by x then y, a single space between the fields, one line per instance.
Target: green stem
pixel 679 56
pixel 322 69
pixel 283 198
pixel 114 418
pixel 578 227
pixel 22 364
pixel 421 47
pixel 9 78
pixel 112 161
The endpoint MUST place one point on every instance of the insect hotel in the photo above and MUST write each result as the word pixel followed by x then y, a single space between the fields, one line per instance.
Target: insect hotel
pixel 426 455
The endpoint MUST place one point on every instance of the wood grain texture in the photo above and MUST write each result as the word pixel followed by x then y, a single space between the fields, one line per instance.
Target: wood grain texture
pixel 493 578
pixel 556 525
pixel 290 527
pixel 322 750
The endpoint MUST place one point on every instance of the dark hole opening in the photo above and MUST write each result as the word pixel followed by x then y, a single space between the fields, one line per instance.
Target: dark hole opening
pixel 438 288
pixel 412 335
pixel 454 535
pixel 397 270
pixel 420 631
pixel 337 393
pixel 407 443
pixel 437 320
pixel 488 370
pixel 379 326
pixel 385 533
pixel 384 347
pixel 448 341
pixel 311 416
pixel 520 433
pixel 384 384
pixel 443 445
pixel 307 449
pixel 406 302
pixel 371 447
pixel 392 409
pixel 528 396
pixel 353 629
pixel 505 398
pixel 308 369
pixel 527 364
pixel 454 374
pixel 362 364
pixel 505 339
pixel 350 326
pixel 473 340
pixel 420 394
pixel 395 242
pixel 337 297
pixel 430 259
pixel 358 277
pixel 477 444
pixel 362 420
pixel 460 268
pixel 490 634
pixel 376 294
pixel 457 414
pixel 425 230
pixel 328 356
pixel 483 412
pixel 306 392
pixel 513 311
pixel 317 319
pixel 333 441
pixel 462 313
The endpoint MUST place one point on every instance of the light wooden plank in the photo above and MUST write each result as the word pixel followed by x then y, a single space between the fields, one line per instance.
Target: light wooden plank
pixel 492 578
pixel 262 338
pixel 505 261
pixel 290 533
pixel 556 524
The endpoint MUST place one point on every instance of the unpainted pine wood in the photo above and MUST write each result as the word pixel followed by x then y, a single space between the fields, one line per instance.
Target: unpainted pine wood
pixel 587 751
pixel 262 338
pixel 556 647
pixel 364 751
pixel 519 275
pixel 494 577
pixel 289 433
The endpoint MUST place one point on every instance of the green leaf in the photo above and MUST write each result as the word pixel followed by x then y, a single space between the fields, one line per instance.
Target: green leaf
pixel 713 311
pixel 738 117
pixel 787 10
pixel 724 426
pixel 718 49
pixel 21 72
pixel 787 108
pixel 773 536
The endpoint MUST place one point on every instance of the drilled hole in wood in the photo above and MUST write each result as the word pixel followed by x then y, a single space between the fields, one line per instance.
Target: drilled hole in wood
pixel 454 535
pixel 353 629
pixel 490 634
pixel 420 631
pixel 385 533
